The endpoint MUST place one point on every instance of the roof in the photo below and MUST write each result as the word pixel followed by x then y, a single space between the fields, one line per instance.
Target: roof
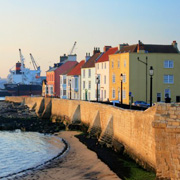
pixel 77 69
pixel 131 48
pixel 105 55
pixel 149 48
pixel 66 67
pixel 91 62
pixel 160 48
pixel 52 69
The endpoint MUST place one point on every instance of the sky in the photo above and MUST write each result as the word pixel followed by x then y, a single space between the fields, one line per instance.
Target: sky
pixel 49 28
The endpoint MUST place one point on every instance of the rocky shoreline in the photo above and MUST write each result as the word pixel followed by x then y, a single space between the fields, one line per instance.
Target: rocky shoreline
pixel 19 116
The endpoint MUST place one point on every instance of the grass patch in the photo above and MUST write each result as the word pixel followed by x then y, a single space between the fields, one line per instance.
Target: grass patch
pixel 122 165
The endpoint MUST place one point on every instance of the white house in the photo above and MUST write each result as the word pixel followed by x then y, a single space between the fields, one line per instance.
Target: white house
pixel 88 77
pixel 102 71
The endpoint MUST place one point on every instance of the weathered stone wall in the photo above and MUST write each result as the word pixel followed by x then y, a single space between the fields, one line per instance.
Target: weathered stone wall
pixel 167 136
pixel 151 137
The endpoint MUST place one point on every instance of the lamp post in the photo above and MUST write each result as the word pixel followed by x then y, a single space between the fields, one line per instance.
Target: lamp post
pixel 146 63
pixel 121 76
pixel 97 81
pixel 70 87
pixel 151 73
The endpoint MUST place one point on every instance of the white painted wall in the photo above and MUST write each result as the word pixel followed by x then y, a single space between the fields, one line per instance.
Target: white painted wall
pixel 75 90
pixel 102 69
pixel 91 91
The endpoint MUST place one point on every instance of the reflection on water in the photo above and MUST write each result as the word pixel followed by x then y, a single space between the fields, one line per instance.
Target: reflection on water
pixel 23 150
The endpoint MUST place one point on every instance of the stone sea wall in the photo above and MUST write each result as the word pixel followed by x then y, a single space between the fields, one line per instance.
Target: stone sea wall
pixel 151 137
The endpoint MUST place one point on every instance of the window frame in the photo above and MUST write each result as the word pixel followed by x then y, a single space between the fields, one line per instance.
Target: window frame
pixel 168 79
pixel 168 65
pixel 113 78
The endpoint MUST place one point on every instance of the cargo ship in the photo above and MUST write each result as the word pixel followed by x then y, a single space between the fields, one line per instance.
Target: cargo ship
pixel 23 81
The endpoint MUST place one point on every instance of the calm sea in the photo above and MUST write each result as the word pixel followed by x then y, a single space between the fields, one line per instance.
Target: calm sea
pixel 22 150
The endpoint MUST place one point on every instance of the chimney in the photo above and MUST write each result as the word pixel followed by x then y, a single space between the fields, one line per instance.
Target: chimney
pixel 174 43
pixel 120 46
pixel 87 57
pixel 140 43
pixel 106 48
pixel 96 50
pixel 140 47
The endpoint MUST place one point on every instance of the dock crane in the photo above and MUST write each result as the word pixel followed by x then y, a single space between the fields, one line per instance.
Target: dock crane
pixel 34 62
pixel 72 48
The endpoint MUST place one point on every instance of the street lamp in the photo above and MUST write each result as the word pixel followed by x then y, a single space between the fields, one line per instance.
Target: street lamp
pixel 121 76
pixel 146 63
pixel 97 81
pixel 151 73
pixel 70 87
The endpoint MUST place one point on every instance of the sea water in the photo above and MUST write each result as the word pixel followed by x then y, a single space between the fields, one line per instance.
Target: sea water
pixel 23 150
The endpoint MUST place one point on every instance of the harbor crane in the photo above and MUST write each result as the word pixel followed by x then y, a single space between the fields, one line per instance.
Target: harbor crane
pixel 34 62
pixel 72 48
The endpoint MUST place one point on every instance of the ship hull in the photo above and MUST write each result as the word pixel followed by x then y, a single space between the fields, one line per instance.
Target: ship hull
pixel 23 89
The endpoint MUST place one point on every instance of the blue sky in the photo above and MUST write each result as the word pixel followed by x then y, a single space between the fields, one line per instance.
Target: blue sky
pixel 48 28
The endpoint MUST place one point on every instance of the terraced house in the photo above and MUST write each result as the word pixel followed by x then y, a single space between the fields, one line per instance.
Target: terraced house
pixel 102 70
pixel 134 62
pixel 74 82
pixel 88 77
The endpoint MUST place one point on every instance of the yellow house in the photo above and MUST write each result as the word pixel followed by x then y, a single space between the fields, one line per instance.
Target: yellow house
pixel 134 62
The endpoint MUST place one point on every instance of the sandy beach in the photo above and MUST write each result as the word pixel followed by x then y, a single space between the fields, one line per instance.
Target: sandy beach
pixel 79 163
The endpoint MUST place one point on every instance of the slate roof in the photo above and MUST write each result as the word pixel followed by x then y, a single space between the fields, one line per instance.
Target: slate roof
pixel 149 48
pixel 105 55
pixel 77 69
pixel 66 67
pixel 92 60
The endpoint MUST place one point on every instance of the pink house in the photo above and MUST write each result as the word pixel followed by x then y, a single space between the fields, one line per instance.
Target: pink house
pixel 53 80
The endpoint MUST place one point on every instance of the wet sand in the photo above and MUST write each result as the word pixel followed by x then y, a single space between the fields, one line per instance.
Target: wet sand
pixel 79 163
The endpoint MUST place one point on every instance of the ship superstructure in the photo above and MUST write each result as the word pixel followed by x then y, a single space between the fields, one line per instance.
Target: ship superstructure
pixel 23 75
pixel 24 81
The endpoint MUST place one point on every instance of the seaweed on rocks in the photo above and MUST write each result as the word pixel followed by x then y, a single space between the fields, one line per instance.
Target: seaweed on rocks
pixel 17 116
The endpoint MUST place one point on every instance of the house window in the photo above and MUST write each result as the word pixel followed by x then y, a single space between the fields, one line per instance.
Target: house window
pixel 124 62
pixel 104 79
pixel 64 92
pixel 113 94
pixel 104 65
pixel 89 73
pixel 76 83
pixel 118 63
pixel 83 73
pixel 89 95
pixel 89 84
pixel 112 64
pixel 83 84
pixel 47 90
pixel 124 78
pixel 113 78
pixel 168 79
pixel 51 90
pixel 158 97
pixel 64 81
pixel 168 64
pixel 104 94
pixel 124 94
pixel 167 93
